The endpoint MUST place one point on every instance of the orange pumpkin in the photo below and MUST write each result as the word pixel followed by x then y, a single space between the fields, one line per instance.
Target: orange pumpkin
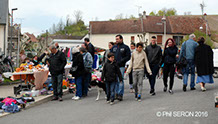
pixel 17 69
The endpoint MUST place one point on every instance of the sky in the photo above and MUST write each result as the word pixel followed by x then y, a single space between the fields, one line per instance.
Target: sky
pixel 37 16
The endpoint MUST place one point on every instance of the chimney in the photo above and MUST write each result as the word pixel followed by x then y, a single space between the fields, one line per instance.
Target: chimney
pixel 144 15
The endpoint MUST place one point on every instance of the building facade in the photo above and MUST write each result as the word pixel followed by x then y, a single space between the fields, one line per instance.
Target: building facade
pixel 141 30
pixel 3 25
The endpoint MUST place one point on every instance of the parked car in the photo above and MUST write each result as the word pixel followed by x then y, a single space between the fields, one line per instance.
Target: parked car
pixel 215 61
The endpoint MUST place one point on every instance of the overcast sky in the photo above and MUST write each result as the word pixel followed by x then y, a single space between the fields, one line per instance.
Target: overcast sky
pixel 38 15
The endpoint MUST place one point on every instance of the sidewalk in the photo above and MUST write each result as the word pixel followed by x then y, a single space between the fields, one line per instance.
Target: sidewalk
pixel 7 90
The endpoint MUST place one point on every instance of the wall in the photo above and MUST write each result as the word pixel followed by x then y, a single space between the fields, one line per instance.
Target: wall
pixel 102 40
pixel 2 37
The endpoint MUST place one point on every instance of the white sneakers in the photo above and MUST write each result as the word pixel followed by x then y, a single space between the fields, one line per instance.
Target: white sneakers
pixel 75 98
pixel 203 89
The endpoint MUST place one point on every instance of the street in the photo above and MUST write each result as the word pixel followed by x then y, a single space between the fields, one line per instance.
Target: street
pixel 162 108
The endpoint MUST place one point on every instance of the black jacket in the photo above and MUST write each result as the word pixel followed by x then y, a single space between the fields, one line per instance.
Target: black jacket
pixel 169 55
pixel 78 61
pixel 39 59
pixel 122 54
pixel 57 63
pixel 110 72
pixel 91 50
pixel 154 54
pixel 204 60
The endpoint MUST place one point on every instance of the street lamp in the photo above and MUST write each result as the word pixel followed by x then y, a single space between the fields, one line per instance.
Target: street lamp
pixel 164 21
pixel 12 30
pixel 205 17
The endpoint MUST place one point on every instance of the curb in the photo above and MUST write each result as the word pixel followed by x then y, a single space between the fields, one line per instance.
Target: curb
pixel 36 103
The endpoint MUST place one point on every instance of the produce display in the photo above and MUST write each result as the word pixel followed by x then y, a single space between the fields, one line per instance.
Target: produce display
pixel 30 68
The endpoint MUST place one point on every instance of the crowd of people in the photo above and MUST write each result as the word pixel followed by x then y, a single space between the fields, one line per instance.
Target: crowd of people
pixel 138 62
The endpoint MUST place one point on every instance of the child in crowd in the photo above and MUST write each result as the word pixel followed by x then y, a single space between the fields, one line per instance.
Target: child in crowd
pixel 137 62
pixel 109 76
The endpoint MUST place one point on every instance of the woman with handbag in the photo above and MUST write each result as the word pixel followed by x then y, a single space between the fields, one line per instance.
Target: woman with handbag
pixel 204 63
pixel 169 60
pixel 77 71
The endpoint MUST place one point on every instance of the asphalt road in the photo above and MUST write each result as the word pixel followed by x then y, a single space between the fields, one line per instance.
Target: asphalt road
pixel 191 107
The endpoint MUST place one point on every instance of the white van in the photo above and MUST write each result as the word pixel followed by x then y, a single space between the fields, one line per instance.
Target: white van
pixel 215 62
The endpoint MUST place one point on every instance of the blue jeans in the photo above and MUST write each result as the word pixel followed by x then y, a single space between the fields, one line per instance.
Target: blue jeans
pixel 110 89
pixel 186 71
pixel 57 85
pixel 85 84
pixel 120 86
pixel 79 86
pixel 152 78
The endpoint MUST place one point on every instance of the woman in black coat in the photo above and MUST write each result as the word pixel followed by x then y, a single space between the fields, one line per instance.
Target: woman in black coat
pixel 204 63
pixel 169 60
pixel 77 70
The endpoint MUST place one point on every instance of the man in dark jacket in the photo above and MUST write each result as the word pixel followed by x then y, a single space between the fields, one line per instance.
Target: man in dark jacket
pixel 154 55
pixel 57 62
pixel 122 55
pixel 91 48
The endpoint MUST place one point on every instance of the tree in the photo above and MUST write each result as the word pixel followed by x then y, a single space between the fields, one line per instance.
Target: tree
pixel 68 20
pixel 78 15
pixel 160 13
pixel 60 25
pixel 164 11
pixel 119 17
pixel 170 12
pixel 132 17
pixel 152 13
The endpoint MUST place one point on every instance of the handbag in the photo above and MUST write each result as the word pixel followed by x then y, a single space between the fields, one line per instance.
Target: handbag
pixel 183 62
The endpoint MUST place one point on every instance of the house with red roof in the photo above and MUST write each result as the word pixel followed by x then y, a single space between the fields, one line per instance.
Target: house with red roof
pixel 142 29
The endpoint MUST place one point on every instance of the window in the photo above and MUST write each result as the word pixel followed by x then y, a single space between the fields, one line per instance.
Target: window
pixel 159 39
pixel 132 39
pixel 177 39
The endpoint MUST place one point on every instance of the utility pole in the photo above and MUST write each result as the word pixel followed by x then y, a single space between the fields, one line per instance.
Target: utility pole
pixel 18 45
pixel 165 27
pixel 139 7
pixel 46 38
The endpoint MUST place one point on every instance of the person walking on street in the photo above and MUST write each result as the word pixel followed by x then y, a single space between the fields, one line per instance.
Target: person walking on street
pixel 188 52
pixel 122 55
pixel 77 71
pixel 57 62
pixel 109 76
pixel 88 62
pixel 154 55
pixel 91 48
pixel 132 48
pixel 204 63
pixel 137 62
pixel 169 60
